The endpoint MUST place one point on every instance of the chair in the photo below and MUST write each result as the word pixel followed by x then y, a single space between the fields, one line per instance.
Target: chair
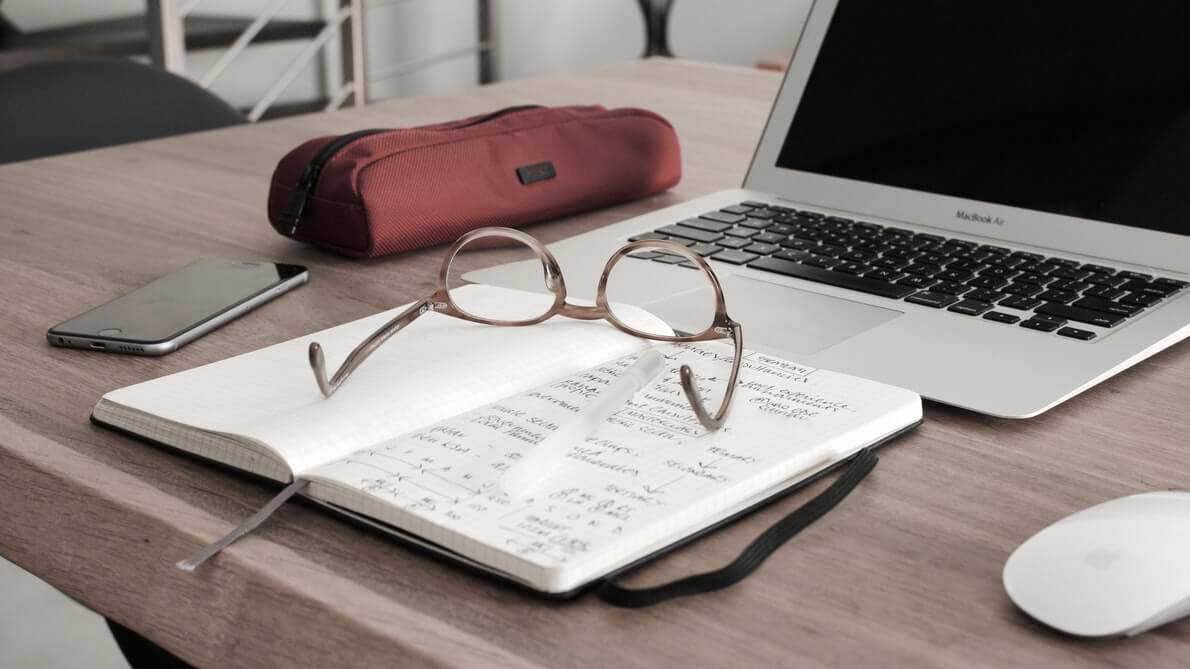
pixel 72 105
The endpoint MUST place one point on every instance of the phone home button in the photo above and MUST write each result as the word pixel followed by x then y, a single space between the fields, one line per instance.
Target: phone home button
pixel 110 332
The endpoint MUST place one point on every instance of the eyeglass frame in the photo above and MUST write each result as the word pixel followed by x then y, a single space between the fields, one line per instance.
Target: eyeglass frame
pixel 721 326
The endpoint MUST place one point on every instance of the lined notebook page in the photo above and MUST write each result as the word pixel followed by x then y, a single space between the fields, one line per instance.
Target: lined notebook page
pixel 435 368
pixel 649 476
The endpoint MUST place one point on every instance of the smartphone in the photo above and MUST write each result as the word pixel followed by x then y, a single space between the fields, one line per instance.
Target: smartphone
pixel 178 308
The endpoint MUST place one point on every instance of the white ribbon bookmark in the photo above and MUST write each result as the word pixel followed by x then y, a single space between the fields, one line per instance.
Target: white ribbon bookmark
pixel 191 563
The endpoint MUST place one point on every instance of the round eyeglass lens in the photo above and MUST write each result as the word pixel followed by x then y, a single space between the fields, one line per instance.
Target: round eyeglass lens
pixel 491 250
pixel 661 291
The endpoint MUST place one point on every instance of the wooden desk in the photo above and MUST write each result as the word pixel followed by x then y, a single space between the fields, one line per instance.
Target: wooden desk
pixel 906 572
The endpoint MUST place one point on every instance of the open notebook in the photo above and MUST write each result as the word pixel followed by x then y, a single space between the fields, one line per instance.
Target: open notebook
pixel 417 440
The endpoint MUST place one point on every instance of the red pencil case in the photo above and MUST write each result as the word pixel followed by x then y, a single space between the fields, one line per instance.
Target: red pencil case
pixel 376 192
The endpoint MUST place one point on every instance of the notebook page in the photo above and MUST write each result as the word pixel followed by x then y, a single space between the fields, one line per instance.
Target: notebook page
pixel 435 368
pixel 648 476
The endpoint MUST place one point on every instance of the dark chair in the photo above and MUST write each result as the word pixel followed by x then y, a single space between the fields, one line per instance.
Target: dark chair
pixel 72 105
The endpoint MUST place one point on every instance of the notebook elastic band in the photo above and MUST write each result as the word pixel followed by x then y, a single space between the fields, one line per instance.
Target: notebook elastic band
pixel 756 553
pixel 191 563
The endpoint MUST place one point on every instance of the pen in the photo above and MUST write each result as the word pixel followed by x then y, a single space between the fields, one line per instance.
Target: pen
pixel 523 477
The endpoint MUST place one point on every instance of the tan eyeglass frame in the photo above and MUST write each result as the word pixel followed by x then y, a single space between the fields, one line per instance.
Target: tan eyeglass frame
pixel 721 327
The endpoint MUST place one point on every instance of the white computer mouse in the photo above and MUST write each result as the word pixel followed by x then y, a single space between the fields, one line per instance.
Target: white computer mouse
pixel 1116 569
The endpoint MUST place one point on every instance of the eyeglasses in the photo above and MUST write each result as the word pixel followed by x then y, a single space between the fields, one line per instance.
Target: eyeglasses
pixel 447 300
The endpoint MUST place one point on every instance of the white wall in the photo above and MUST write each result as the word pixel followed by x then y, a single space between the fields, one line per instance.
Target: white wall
pixel 534 37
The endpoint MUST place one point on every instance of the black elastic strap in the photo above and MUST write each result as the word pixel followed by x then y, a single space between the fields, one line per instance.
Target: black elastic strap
pixel 756 552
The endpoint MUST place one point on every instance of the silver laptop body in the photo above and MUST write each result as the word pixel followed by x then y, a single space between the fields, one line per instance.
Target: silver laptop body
pixel 923 166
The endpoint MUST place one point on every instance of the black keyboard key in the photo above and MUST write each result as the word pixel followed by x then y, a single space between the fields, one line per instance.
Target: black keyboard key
pixel 756 223
pixel 768 237
pixel 1135 275
pixel 1068 284
pixel 1107 306
pixel 1028 257
pixel 1020 288
pixel 1032 277
pixel 754 204
pixel 735 257
pixel 1070 273
pixel 1075 333
pixel 997 250
pixel 935 239
pixel 688 265
pixel 644 255
pixel 1064 262
pixel 737 209
pixel 791 254
pixel 1001 317
pixel 765 213
pixel 902 232
pixel 1081 315
pixel 883 274
pixel 839 279
pixel 669 259
pixel 999 271
pixel 990 282
pixel 916 281
pixel 1039 324
pixel 1037 267
pixel 1105 279
pixel 830 249
pixel 931 299
pixel 950 275
pixel 858 255
pixel 780 229
pixel 689 233
pixel 1171 282
pixel 723 217
pixel 852 267
pixel 734 242
pixel 1063 296
pixel 704 224
pixel 647 235
pixel 799 244
pixel 1099 269
pixel 922 269
pixel 825 262
pixel 1105 292
pixel 762 249
pixel 1007 262
pixel 984 295
pixel 970 307
pixel 1141 299
pixel 742 232
pixel 1020 302
pixel 706 249
pixel 950 288
pixel 965 265
pixel 1162 288
pixel 890 263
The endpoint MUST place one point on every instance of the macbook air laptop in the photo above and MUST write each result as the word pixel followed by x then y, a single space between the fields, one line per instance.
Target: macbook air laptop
pixel 987 202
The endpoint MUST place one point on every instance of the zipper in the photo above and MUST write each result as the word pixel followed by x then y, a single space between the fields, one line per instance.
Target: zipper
pixel 309 178
pixel 300 197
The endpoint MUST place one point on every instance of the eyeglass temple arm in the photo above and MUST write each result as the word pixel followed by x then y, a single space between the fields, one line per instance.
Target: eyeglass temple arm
pixel 690 386
pixel 365 349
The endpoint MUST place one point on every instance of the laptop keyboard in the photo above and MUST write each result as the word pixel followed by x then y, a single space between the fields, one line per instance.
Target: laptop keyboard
pixel 996 283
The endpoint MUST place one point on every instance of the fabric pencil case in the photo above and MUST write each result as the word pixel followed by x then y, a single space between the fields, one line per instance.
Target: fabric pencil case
pixel 376 192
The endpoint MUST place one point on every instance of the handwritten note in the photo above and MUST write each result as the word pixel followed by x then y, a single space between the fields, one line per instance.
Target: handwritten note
pixel 648 476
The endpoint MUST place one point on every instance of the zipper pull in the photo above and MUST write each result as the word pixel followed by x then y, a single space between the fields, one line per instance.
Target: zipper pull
pixel 298 200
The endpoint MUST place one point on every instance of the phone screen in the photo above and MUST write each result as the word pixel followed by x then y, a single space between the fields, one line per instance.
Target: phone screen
pixel 181 301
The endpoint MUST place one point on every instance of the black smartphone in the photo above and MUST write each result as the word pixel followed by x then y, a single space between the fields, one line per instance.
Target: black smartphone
pixel 179 307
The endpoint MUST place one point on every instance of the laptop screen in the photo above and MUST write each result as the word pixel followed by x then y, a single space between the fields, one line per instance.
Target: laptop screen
pixel 1067 107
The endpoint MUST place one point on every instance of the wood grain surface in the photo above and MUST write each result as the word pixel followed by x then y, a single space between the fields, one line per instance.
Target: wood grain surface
pixel 906 572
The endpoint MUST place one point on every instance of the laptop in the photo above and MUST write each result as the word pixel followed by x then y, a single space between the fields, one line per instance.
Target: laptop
pixel 985 202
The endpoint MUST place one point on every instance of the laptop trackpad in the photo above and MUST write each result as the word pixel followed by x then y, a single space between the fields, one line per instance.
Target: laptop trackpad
pixel 779 318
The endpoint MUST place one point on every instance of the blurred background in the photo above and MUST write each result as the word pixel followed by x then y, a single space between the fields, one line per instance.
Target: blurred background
pixel 271 58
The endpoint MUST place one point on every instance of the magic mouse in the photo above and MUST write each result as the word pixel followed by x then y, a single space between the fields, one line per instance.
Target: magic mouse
pixel 1118 568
